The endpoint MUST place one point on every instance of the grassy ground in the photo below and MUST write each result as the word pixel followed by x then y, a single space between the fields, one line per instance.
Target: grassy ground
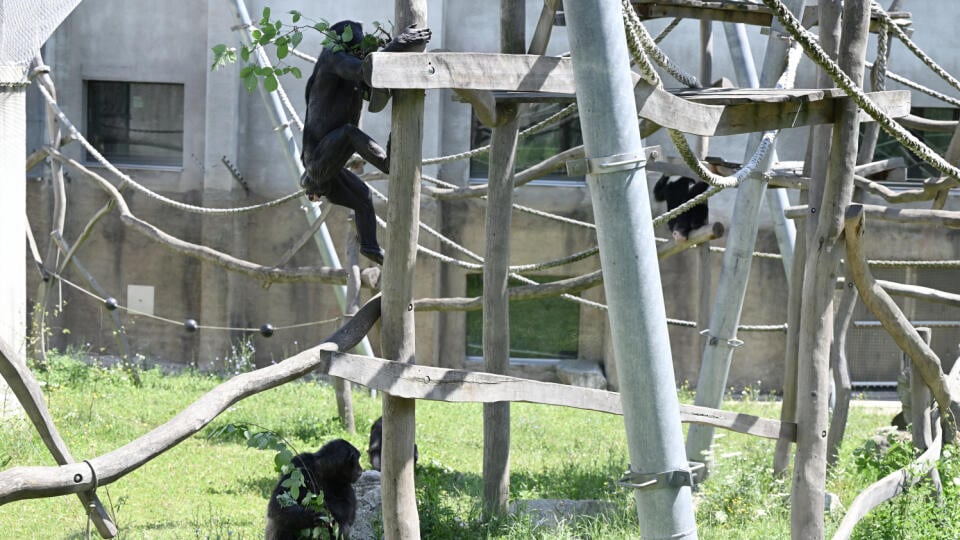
pixel 217 488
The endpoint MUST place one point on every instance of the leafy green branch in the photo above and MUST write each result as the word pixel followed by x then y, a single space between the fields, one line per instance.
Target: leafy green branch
pixel 285 37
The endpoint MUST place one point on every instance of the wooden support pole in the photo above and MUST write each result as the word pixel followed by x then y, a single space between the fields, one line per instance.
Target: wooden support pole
pixel 400 518
pixel 496 305
pixel 896 324
pixel 819 276
pixel 818 148
pixel 732 283
pixel 841 371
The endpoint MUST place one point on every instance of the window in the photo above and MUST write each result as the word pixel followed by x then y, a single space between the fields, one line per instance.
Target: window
pixel 535 148
pixel 136 123
pixel 917 169
pixel 546 328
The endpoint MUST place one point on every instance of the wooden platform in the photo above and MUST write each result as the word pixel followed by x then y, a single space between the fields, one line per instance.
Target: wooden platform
pixel 485 79
pixel 732 11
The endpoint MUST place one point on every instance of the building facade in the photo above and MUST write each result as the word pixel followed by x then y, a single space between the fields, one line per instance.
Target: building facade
pixel 135 78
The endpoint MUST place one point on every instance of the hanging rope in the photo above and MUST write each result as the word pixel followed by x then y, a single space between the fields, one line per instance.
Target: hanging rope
pixel 817 54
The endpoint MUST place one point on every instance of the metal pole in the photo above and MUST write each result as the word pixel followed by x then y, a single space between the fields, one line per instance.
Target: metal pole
pixel 777 201
pixel 638 324
pixel 732 285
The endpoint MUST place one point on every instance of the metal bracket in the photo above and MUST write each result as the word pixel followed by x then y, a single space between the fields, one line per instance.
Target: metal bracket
pixel 603 165
pixel 673 479
pixel 733 343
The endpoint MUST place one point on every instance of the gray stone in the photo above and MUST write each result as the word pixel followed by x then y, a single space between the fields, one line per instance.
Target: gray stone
pixel 368 506
pixel 552 512
pixel 582 373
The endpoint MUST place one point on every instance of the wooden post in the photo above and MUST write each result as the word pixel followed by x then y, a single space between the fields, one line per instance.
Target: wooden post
pixel 818 148
pixel 342 387
pixel 819 278
pixel 841 370
pixel 496 311
pixel 705 275
pixel 496 306
pixel 400 518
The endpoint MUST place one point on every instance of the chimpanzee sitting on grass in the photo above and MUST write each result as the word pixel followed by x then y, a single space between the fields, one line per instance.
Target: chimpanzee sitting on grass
pixel 334 95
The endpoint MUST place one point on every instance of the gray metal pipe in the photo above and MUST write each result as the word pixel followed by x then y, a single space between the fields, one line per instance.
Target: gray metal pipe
pixel 732 285
pixel 630 268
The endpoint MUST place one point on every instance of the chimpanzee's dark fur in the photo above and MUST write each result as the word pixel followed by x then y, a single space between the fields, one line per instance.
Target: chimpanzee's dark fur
pixel 376 442
pixel 334 95
pixel 331 470
pixel 677 191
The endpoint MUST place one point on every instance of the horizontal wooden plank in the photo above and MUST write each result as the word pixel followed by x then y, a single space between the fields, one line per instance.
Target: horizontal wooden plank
pixel 737 11
pixel 469 71
pixel 439 384
pixel 707 112
pixel 778 110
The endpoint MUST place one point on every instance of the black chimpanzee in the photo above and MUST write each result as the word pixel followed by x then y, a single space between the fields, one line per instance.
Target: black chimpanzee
pixel 676 192
pixel 331 470
pixel 376 443
pixel 334 95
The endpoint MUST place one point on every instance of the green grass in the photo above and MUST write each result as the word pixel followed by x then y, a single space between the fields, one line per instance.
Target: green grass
pixel 218 488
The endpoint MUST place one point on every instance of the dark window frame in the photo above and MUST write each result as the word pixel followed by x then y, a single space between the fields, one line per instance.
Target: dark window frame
pixel 135 124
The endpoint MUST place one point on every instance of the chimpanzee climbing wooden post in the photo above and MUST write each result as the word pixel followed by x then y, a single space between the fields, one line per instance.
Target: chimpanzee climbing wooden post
pixel 400 517
pixel 618 188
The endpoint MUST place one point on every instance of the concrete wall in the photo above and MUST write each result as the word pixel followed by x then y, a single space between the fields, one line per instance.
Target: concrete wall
pixel 171 41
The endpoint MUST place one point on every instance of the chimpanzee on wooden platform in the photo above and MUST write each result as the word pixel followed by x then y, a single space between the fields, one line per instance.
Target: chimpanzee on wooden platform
pixel 334 95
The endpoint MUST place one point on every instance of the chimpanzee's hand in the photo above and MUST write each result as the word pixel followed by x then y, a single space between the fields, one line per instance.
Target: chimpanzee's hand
pixel 408 39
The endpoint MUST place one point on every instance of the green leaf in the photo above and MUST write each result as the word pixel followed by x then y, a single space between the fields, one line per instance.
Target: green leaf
pixel 296 15
pixel 321 26
pixel 296 38
pixel 296 72
pixel 282 51
pixel 245 54
pixel 219 49
pixel 266 14
pixel 250 82
pixel 256 34
pixel 271 83
pixel 264 71
pixel 347 35
pixel 247 71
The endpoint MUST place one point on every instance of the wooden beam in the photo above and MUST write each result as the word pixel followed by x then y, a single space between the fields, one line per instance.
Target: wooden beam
pixel 744 110
pixel 472 71
pixel 738 12
pixel 750 110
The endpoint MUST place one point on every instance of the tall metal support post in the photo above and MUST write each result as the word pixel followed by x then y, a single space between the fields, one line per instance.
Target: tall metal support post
pixel 496 270
pixel 628 254
pixel 732 285
pixel 400 518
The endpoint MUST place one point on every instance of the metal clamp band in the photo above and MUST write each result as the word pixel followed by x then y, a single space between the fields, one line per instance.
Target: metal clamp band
pixel 673 479
pixel 602 165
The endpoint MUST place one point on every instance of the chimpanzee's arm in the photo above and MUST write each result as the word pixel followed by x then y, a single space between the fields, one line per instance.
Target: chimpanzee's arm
pixel 698 188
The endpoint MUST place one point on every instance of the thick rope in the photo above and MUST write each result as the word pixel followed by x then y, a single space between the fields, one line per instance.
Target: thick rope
pixel 817 54
pixel 638 33
pixel 920 88
pixel 127 181
pixel 888 23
